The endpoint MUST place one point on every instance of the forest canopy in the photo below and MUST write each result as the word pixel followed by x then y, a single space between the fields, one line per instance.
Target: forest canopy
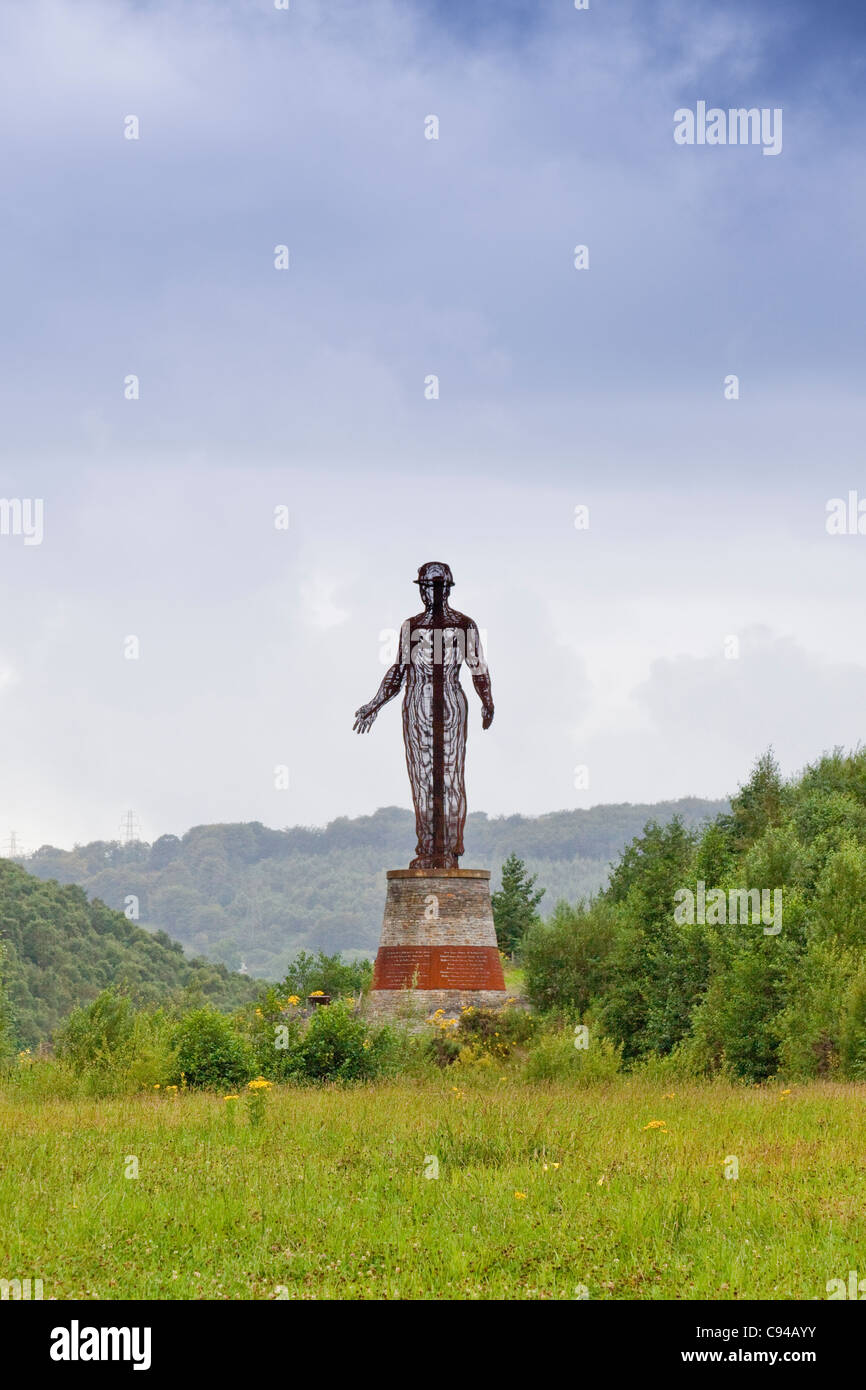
pixel 60 951
pixel 752 992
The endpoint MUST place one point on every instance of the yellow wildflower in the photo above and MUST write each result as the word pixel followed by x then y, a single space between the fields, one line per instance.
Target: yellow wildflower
pixel 231 1097
pixel 656 1124
pixel 293 999
pixel 520 1196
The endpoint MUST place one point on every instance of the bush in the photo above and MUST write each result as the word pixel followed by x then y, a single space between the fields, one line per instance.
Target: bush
pixel 109 1048
pixel 339 1046
pixel 7 1022
pixel 497 1030
pixel 737 1025
pixel 478 1034
pixel 209 1053
pixel 676 1065
pixel 554 1057
pixel 98 1036
pixel 839 909
pixel 567 960
pixel 273 1031
pixel 852 1042
pixel 154 1058
pixel 331 974
pixel 810 1027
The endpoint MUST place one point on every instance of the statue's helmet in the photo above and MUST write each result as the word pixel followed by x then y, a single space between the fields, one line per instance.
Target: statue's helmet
pixel 433 570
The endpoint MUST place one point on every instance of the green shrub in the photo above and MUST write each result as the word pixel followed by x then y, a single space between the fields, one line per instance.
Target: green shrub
pixel 7 1020
pixel 109 1048
pixel 209 1052
pixel 839 909
pixel 810 1027
pixel 154 1057
pixel 567 960
pixel 442 1045
pixel 331 974
pixel 477 1034
pixel 273 1030
pixel 852 1041
pixel 737 1025
pixel 337 1045
pixel 676 1065
pixel 498 1031
pixel 98 1037
pixel 554 1057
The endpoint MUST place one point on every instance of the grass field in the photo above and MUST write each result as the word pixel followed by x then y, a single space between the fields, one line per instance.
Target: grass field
pixel 514 979
pixel 541 1189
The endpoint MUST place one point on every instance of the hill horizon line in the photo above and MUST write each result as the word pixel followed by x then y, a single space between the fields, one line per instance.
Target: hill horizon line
pixel 380 813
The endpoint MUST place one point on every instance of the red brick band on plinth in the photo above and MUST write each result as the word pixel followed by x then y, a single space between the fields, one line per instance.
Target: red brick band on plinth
pixel 438 967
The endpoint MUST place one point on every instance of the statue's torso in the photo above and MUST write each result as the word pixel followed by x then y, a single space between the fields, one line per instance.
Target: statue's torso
pixel 426 642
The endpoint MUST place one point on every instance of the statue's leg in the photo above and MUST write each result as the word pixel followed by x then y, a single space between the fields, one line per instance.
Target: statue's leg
pixel 456 717
pixel 418 742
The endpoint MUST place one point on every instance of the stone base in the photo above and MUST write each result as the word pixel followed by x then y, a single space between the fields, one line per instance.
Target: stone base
pixel 438 946
pixel 415 1005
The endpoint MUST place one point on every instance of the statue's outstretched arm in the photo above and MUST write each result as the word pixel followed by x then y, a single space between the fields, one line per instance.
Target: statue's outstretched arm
pixel 477 664
pixel 387 690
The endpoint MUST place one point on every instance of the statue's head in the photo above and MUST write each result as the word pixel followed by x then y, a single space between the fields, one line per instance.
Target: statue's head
pixel 434 573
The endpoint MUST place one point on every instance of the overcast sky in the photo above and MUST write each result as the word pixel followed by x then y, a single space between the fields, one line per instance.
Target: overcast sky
pixel 305 388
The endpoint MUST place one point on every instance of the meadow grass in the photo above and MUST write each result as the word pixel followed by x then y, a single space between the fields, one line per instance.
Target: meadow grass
pixel 514 977
pixel 542 1189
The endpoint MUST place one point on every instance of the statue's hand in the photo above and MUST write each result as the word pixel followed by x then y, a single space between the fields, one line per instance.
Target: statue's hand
pixel 364 718
pixel 486 716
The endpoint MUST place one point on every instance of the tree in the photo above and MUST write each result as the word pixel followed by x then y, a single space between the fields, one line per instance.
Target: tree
pixel 567 959
pixel 330 974
pixel 759 803
pixel 657 968
pixel 514 904
pixel 164 851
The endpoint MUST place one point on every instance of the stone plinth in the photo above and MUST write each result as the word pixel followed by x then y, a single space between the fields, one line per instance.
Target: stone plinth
pixel 438 945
